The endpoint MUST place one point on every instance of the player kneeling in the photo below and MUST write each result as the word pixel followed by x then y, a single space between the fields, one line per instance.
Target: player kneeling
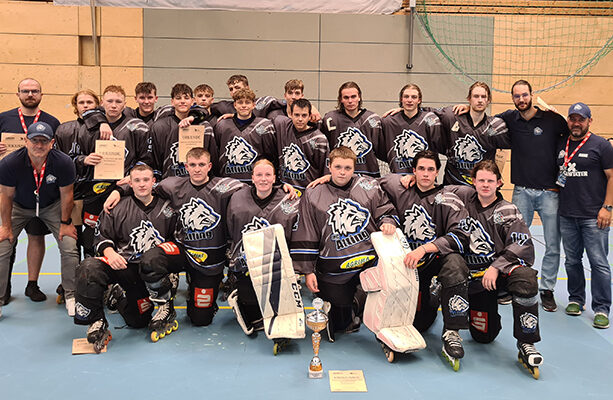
pixel 501 252
pixel 137 224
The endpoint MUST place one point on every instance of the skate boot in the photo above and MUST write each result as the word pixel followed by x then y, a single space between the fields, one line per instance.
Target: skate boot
pixel 530 358
pixel 279 345
pixel 113 296
pixel 452 348
pixel 389 353
pixel 164 321
pixel 99 335
pixel 60 294
pixel 174 281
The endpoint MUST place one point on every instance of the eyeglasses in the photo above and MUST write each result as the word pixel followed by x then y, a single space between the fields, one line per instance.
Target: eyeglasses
pixel 35 91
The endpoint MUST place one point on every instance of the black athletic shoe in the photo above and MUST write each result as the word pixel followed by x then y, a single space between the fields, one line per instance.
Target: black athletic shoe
pixel 34 292
pixel 548 302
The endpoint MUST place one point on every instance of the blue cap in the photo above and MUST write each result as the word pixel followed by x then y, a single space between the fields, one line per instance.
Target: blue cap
pixel 580 109
pixel 40 129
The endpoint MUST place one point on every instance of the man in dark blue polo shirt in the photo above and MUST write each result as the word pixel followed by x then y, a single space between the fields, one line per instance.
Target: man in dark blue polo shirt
pixel 17 120
pixel 37 181
pixel 534 136
pixel 586 201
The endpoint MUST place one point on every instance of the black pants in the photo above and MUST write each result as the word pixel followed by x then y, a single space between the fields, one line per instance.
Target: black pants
pixel 341 297
pixel 168 258
pixel 93 277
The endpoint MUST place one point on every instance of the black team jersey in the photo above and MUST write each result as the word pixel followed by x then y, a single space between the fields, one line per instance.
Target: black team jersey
pixel 302 155
pixel 133 228
pixel 247 212
pixel 239 146
pixel 362 134
pixel 428 217
pixel 404 137
pixel 334 228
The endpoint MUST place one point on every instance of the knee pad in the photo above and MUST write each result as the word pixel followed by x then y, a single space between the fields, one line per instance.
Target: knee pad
pixel 153 265
pixel 91 278
pixel 454 270
pixel 201 317
pixel 522 282
pixel 484 326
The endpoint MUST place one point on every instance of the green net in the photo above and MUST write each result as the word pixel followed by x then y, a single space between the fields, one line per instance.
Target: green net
pixel 548 43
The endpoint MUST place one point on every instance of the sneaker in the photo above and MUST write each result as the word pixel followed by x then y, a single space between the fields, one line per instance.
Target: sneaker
pixel 601 320
pixel 70 306
pixel 548 302
pixel 573 308
pixel 505 300
pixel 34 292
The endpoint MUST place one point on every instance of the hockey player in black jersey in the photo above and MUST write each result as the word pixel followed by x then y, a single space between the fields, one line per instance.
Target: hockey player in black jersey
pixel 252 208
pixel 430 216
pixel 357 128
pixel 137 224
pixel 332 243
pixel 145 95
pixel 500 250
pixel 302 148
pixel 243 138
pixel 165 135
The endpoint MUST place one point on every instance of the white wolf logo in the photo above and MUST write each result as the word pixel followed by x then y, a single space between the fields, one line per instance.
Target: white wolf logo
pixel 418 225
pixel 255 224
pixel 294 159
pixel 174 153
pixel 356 141
pixel 197 216
pixel 480 241
pixel 468 149
pixel 144 237
pixel 408 144
pixel 347 217
pixel 239 152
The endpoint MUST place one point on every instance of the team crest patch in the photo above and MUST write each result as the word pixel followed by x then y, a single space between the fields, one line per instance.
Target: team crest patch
pixel 260 129
pixel 374 123
pixel 438 199
pixel 240 156
pixel 418 225
pixel 357 142
pixel 143 238
pixel 222 187
pixel 538 131
pixel 168 211
pixel 255 224
pixel 366 185
pixel 288 207
pixel 199 219
pixel 458 305
pixel 348 221
pixel 81 311
pixel 468 151
pixel 50 179
pixel 295 163
pixel 528 322
pixel 430 120
pixel 406 146
pixel 498 218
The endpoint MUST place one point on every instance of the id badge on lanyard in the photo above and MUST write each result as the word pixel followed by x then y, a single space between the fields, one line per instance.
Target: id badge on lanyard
pixel 563 174
pixel 38 181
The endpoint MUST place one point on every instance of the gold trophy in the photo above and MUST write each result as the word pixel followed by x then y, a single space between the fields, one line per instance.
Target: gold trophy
pixel 317 321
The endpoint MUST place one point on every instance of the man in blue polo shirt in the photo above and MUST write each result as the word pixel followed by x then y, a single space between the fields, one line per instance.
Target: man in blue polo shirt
pixel 534 137
pixel 586 201
pixel 17 120
pixel 37 181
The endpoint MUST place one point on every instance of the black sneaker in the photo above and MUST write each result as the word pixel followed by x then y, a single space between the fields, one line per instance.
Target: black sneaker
pixel 548 302
pixel 34 292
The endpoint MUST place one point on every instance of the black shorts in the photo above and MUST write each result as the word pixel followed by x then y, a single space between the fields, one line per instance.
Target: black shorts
pixel 37 227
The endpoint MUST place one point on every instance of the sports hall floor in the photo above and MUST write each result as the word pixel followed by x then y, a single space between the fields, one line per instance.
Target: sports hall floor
pixel 220 361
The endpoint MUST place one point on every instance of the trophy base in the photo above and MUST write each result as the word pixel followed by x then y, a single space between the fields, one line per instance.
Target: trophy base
pixel 316 374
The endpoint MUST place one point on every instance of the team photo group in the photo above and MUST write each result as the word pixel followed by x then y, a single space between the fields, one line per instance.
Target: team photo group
pixel 246 195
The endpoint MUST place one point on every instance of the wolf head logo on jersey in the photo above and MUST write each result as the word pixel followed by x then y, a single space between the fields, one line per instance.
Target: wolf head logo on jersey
pixel 294 159
pixel 143 238
pixel 356 141
pixel 348 220
pixel 239 152
pixel 480 241
pixel 407 145
pixel 418 225
pixel 198 217
pixel 468 149
pixel 255 224
pixel 174 153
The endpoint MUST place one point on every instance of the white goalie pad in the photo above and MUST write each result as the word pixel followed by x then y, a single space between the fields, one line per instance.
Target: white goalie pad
pixel 393 291
pixel 274 282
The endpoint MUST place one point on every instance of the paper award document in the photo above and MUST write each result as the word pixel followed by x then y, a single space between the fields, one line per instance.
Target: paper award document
pixel 347 381
pixel 112 152
pixel 190 137
pixel 13 141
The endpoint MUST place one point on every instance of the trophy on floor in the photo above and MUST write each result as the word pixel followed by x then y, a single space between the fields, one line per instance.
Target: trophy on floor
pixel 316 321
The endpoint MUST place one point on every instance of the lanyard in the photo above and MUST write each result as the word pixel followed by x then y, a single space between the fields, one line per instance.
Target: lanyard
pixel 566 157
pixel 23 122
pixel 38 180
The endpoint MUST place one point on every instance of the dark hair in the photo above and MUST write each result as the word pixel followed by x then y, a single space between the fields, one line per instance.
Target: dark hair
pixel 145 88
pixel 486 165
pixel 204 88
pixel 348 85
pixel 180 89
pixel 238 78
pixel 428 154
pixel 408 86
pixel 301 103
pixel 522 82
pixel 482 85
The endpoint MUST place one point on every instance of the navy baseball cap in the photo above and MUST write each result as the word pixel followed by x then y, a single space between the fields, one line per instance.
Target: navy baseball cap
pixel 40 129
pixel 580 109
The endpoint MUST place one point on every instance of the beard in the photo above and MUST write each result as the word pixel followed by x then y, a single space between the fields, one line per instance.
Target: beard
pixel 30 102
pixel 524 106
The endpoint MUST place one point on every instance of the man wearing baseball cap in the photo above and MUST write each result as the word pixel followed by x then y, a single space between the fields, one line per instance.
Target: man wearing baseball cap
pixel 586 204
pixel 37 181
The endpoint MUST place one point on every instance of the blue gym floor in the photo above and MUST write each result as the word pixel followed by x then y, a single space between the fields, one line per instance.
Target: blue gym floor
pixel 219 360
